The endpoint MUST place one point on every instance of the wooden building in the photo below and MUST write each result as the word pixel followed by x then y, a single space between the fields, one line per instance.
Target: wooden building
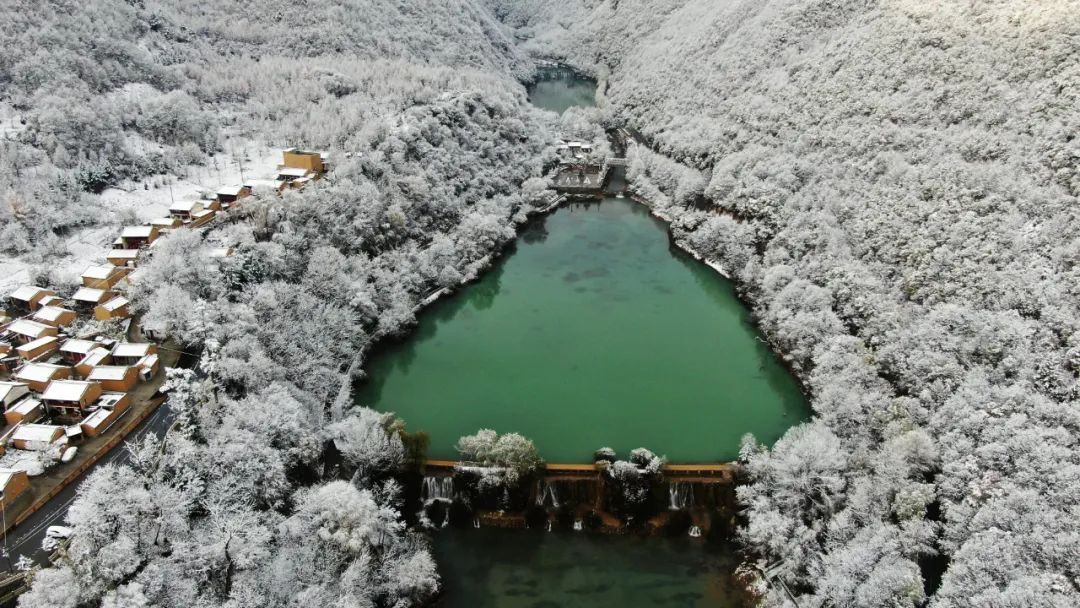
pixel 104 276
pixel 166 223
pixel 97 356
pixel 55 316
pixel 116 308
pixel 13 484
pixel 137 237
pixel 26 299
pixel 74 350
pixel 38 375
pixel 227 195
pixel 118 378
pixel 310 162
pixel 10 392
pixel 110 407
pixel 86 298
pixel 69 399
pixel 25 331
pixel 28 410
pixel 130 353
pixel 36 437
pixel 124 257
pixel 39 349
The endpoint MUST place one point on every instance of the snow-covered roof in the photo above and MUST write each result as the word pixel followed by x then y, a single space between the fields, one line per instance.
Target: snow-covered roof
pixel 36 432
pixel 26 293
pixel 30 347
pixel 25 406
pixel 80 347
pixel 94 357
pixel 88 294
pixel 102 271
pixel 115 304
pixel 230 190
pixel 185 206
pixel 148 361
pixel 108 372
pixel 132 349
pixel 66 390
pixel 38 372
pixel 10 390
pixel 96 418
pixel 137 232
pixel 292 172
pixel 203 213
pixel 167 222
pixel 109 400
pixel 6 475
pixel 50 301
pixel 31 329
pixel 124 254
pixel 51 313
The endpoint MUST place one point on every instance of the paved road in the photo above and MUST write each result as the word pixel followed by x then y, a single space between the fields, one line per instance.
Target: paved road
pixel 26 539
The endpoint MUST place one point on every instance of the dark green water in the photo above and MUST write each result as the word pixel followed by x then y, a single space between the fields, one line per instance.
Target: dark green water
pixel 593 332
pixel 491 568
pixel 558 90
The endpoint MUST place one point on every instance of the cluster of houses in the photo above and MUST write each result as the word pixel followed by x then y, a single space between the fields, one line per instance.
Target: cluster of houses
pixel 297 169
pixel 56 390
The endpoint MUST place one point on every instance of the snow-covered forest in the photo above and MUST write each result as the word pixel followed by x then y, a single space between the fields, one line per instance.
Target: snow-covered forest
pixel 894 187
pixel 897 185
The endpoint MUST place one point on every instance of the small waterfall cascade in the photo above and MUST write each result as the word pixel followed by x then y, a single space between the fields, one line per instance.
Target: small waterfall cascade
pixel 437 488
pixel 695 532
pixel 548 527
pixel 680 495
pixel 578 526
pixel 547 495
pixel 476 522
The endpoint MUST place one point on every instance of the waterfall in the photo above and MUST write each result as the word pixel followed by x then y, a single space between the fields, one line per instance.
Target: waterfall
pixel 546 495
pixel 548 528
pixel 578 525
pixel 437 488
pixel 680 495
pixel 476 522
pixel 695 532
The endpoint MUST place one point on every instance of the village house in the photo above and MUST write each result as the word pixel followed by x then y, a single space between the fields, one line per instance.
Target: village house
pixel 103 276
pixel 25 331
pixel 191 213
pixel 73 351
pixel 124 257
pixel 130 353
pixel 227 195
pixel 109 408
pixel 310 162
pixel 39 349
pixel 116 308
pixel 29 409
pixel 38 375
pixel 86 298
pixel 13 484
pixel 36 437
pixel 51 301
pixel 137 237
pixel 97 356
pixel 165 224
pixel 10 392
pixel 55 316
pixel 118 378
pixel 69 399
pixel 27 299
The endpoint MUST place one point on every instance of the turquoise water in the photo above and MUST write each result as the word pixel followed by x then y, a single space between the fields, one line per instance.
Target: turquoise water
pixel 593 332
pixel 559 90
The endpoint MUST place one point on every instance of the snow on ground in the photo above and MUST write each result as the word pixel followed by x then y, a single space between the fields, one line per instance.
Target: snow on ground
pixel 144 200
